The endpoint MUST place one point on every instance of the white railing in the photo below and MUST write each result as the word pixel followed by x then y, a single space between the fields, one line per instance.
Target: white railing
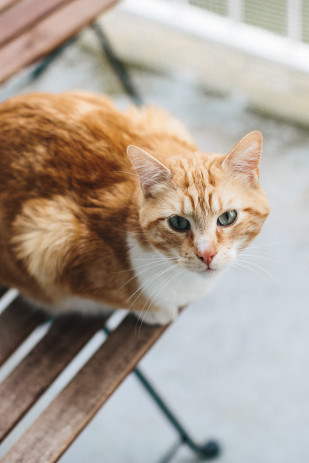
pixel 294 20
pixel 231 30
pixel 235 10
pixel 294 9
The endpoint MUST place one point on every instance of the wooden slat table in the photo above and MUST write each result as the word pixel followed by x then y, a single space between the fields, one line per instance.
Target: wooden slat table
pixel 31 29
pixel 56 428
pixel 16 323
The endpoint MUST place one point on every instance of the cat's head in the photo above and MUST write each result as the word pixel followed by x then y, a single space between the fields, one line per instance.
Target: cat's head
pixel 201 209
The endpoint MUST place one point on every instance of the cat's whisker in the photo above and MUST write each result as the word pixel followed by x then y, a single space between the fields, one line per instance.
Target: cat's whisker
pixel 151 299
pixel 148 262
pixel 266 246
pixel 154 278
pixel 258 256
pixel 135 270
pixel 169 281
pixel 163 258
pixel 249 261
pixel 247 267
pixel 259 270
pixel 157 291
pixel 144 286
pixel 150 265
pixel 145 312
pixel 135 276
pixel 255 267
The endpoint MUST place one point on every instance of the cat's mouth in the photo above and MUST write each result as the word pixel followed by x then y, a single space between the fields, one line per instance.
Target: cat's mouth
pixel 209 270
pixel 205 271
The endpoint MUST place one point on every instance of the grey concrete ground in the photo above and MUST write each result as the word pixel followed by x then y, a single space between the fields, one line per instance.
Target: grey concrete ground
pixel 234 366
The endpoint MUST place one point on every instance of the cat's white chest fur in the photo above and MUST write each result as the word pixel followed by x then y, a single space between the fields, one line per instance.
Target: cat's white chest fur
pixel 165 285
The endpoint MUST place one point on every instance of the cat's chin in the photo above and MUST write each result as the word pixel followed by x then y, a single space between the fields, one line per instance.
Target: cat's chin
pixel 209 273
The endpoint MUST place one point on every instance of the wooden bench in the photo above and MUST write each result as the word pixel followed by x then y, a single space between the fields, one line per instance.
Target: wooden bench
pixel 56 428
pixel 29 31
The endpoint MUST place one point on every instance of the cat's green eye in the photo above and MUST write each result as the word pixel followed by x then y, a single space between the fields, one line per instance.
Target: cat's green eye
pixel 227 218
pixel 179 223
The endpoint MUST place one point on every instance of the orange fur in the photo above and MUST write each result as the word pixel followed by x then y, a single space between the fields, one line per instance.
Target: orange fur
pixel 70 199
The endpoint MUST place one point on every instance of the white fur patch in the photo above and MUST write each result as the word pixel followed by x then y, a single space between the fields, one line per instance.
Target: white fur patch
pixel 164 284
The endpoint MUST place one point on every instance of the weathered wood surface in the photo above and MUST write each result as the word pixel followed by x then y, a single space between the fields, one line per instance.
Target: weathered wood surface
pixel 23 15
pixel 3 290
pixel 5 4
pixel 30 379
pixel 49 33
pixel 16 323
pixel 51 434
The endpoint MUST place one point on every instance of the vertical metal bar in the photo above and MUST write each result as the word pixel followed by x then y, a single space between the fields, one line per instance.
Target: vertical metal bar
pixel 170 416
pixel 294 20
pixel 206 451
pixel 44 64
pixel 117 65
pixel 235 10
pixel 171 453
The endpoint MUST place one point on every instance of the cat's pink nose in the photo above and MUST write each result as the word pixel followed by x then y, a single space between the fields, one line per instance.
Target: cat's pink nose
pixel 207 256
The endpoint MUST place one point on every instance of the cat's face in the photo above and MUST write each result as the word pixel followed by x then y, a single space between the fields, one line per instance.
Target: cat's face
pixel 201 210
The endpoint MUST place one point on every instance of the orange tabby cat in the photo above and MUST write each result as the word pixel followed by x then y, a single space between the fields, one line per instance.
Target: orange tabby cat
pixel 84 215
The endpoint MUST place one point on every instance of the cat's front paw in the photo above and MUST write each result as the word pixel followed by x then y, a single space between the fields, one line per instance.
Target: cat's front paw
pixel 158 317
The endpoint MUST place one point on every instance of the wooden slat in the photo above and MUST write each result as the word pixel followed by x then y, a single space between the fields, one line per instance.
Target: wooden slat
pixel 42 365
pixel 24 15
pixel 5 4
pixel 49 34
pixel 3 290
pixel 16 323
pixel 48 438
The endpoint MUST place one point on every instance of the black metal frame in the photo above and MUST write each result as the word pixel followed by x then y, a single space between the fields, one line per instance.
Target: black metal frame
pixel 211 448
pixel 205 451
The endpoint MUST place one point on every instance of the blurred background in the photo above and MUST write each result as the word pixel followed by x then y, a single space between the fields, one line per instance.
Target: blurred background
pixel 234 366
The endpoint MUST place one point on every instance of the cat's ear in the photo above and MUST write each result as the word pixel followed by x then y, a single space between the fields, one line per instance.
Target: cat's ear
pixel 244 158
pixel 150 171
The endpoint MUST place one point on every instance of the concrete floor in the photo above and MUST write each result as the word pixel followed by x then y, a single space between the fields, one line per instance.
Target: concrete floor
pixel 234 366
